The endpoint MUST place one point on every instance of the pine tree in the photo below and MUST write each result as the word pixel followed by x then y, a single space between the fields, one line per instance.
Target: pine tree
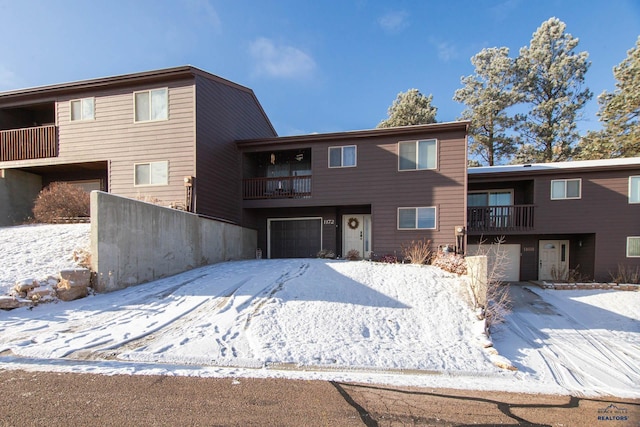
pixel 550 79
pixel 410 108
pixel 488 94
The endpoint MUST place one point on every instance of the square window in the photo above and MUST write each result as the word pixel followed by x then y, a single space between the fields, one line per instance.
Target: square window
pixel 417 218
pixel 82 109
pixel 342 157
pixel 417 155
pixel 153 173
pixel 634 189
pixel 562 189
pixel 633 247
pixel 151 105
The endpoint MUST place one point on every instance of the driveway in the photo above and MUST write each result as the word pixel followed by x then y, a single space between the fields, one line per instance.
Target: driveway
pixel 556 334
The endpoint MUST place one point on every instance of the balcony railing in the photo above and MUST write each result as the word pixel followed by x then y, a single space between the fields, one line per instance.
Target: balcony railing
pixel 500 218
pixel 28 143
pixel 277 188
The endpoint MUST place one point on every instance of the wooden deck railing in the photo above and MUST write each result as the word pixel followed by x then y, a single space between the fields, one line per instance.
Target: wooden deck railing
pixel 28 143
pixel 500 218
pixel 282 187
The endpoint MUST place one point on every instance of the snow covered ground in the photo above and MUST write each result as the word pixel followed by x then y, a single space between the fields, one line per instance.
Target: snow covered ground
pixel 318 319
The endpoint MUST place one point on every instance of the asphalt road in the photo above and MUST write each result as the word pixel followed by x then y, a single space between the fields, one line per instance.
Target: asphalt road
pixel 52 399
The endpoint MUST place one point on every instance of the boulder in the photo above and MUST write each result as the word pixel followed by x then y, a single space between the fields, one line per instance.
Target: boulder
pixel 76 276
pixel 9 303
pixel 26 285
pixel 70 293
pixel 42 293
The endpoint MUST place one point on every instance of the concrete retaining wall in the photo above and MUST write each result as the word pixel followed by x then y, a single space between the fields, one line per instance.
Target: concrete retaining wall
pixel 18 190
pixel 134 242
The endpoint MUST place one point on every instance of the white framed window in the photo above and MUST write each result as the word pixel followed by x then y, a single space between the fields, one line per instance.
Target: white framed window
pixel 634 189
pixel 423 218
pixel 151 105
pixel 343 157
pixel 152 173
pixel 563 189
pixel 417 155
pixel 633 247
pixel 82 109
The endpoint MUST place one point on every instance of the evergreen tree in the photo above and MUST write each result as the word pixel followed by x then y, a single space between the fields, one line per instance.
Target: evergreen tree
pixel 487 94
pixel 619 113
pixel 550 78
pixel 410 108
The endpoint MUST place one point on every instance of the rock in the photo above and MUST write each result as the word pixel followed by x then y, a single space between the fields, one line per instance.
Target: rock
pixel 70 293
pixel 26 285
pixel 76 276
pixel 38 294
pixel 9 303
pixel 502 362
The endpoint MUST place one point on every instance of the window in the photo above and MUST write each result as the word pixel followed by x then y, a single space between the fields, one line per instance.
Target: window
pixel 416 218
pixel 490 198
pixel 151 105
pixel 153 173
pixel 566 189
pixel 82 109
pixel 342 157
pixel 633 247
pixel 416 155
pixel 634 189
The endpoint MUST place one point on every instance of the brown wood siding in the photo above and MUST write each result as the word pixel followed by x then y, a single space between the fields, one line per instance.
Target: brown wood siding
pixel 603 209
pixel 224 115
pixel 376 181
pixel 113 136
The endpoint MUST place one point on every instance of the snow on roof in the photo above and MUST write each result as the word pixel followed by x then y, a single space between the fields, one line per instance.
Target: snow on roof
pixel 556 166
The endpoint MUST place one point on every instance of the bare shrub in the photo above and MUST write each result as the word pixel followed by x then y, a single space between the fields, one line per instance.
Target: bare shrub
pixel 353 255
pixel 417 251
pixel 626 274
pixel 60 200
pixel 326 254
pixel 82 257
pixel 388 259
pixel 490 296
pixel 453 263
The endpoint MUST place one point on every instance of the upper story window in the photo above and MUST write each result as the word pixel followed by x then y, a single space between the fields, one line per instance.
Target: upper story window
pixel 562 189
pixel 633 247
pixel 416 155
pixel 82 109
pixel 152 173
pixel 417 218
pixel 490 198
pixel 150 105
pixel 634 189
pixel 342 157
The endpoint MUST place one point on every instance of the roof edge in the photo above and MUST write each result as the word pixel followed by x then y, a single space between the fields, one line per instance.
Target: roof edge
pixel 554 167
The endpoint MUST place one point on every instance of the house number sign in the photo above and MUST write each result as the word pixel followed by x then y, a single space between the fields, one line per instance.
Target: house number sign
pixel 329 222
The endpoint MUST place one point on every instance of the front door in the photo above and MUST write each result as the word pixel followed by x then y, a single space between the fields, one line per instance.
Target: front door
pixel 356 235
pixel 554 259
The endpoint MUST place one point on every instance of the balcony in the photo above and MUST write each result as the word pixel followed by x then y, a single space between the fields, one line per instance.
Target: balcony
pixel 500 219
pixel 283 187
pixel 28 143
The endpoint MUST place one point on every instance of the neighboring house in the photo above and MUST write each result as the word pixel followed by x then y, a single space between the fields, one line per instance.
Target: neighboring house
pixel 557 217
pixel 137 135
pixel 371 191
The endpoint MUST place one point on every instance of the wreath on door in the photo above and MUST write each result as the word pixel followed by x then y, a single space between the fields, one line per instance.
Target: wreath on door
pixel 353 223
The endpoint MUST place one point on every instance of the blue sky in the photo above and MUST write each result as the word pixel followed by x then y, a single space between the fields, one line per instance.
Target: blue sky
pixel 315 66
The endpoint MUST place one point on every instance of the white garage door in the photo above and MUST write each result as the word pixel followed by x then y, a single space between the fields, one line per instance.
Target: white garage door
pixel 511 268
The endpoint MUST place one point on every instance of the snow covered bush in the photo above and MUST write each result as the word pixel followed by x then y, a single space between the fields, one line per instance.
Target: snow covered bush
pixel 326 254
pixel 417 251
pixel 450 262
pixel 60 200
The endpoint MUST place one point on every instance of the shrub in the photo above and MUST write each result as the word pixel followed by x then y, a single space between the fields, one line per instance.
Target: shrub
pixel 61 200
pixel 326 253
pixel 417 251
pixel 353 255
pixel 626 274
pixel 388 259
pixel 450 262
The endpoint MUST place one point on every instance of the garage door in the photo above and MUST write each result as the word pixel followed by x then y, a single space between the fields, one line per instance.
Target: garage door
pixel 295 238
pixel 511 268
